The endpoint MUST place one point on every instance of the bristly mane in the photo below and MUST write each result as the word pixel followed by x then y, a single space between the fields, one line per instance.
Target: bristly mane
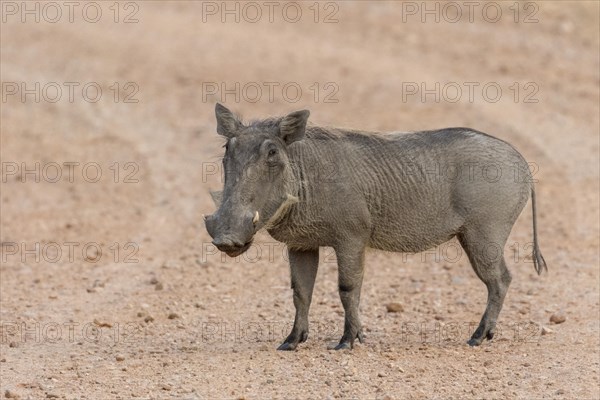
pixel 267 124
pixel 314 132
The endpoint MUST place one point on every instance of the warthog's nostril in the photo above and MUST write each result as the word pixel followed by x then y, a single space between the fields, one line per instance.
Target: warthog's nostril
pixel 222 242
pixel 226 242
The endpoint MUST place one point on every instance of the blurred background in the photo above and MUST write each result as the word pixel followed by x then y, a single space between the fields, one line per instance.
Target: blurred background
pixel 109 150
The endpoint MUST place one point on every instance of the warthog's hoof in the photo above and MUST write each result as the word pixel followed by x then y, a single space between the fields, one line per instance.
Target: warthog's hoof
pixel 291 342
pixel 478 337
pixel 343 346
pixel 346 344
pixel 287 346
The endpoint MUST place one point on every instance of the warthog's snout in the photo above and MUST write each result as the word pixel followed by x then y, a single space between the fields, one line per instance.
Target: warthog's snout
pixel 233 247
pixel 232 236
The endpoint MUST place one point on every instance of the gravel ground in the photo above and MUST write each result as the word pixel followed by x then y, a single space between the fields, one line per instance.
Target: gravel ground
pixel 109 286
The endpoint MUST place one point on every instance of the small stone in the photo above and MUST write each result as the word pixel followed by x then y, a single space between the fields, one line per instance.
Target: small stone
pixel 458 280
pixel 170 265
pixel 91 290
pixel 166 387
pixel 13 344
pixel 487 363
pixel 558 318
pixel 149 318
pixel 546 331
pixel 11 395
pixel 381 375
pixel 560 391
pixel 51 396
pixel 159 286
pixel 120 358
pixel 394 307
pixel 173 315
pixel 153 281
pixel 102 324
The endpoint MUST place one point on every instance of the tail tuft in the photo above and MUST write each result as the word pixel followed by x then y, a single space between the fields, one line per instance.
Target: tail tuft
pixel 538 260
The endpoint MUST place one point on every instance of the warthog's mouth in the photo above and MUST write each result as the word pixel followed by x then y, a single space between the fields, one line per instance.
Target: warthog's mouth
pixel 234 252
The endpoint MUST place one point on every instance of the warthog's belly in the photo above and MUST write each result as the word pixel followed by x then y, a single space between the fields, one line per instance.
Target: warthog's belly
pixel 415 231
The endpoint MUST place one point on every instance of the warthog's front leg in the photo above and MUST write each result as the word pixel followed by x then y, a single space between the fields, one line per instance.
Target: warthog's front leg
pixel 351 269
pixel 303 266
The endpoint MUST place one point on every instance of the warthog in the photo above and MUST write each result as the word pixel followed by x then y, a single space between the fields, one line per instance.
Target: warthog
pixel 311 186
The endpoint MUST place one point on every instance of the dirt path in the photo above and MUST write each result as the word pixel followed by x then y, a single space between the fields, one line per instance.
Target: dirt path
pixel 109 287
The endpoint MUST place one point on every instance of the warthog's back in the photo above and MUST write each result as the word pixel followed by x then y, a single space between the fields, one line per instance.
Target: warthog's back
pixel 411 191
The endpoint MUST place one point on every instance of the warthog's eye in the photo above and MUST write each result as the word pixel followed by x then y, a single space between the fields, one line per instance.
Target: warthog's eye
pixel 270 150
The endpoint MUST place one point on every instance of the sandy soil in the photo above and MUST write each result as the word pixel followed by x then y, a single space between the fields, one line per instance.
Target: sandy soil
pixel 137 304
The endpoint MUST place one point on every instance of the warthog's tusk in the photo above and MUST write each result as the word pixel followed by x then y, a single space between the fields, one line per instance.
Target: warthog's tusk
pixel 204 216
pixel 256 218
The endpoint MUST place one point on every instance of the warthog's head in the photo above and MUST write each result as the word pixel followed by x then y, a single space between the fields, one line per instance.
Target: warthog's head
pixel 259 184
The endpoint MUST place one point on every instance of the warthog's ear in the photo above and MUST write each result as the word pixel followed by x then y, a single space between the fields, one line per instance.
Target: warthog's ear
pixel 227 123
pixel 217 197
pixel 293 125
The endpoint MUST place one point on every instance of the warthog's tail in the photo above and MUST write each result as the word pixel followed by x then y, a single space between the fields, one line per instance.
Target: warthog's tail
pixel 538 259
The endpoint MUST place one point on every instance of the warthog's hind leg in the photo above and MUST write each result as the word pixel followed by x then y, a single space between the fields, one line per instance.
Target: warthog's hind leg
pixel 351 269
pixel 485 253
